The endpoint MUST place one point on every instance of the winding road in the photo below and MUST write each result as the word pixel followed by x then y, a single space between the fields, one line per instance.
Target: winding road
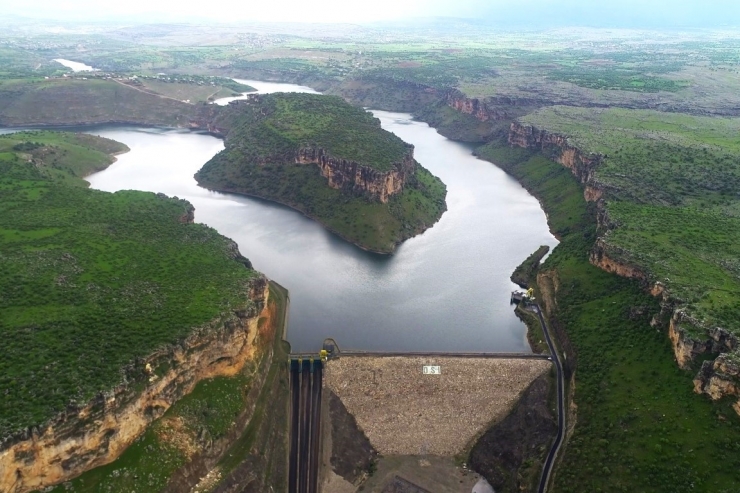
pixel 550 461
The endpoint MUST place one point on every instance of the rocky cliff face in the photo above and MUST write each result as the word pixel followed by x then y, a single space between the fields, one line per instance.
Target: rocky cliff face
pixel 97 432
pixel 720 378
pixel 689 337
pixel 342 173
pixel 685 347
pixel 481 110
pixel 583 165
pixel 600 257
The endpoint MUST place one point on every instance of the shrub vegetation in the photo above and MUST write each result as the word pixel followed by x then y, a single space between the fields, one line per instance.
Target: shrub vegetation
pixel 640 426
pixel 91 281
pixel 259 160
pixel 671 182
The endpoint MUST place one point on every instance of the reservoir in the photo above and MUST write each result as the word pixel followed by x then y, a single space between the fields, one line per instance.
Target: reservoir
pixel 445 290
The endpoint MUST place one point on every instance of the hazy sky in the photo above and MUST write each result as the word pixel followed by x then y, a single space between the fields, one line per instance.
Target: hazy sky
pixel 618 13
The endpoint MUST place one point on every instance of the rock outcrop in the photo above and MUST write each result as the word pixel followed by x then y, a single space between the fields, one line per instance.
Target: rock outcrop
pixel 600 257
pixel 481 110
pixel 583 165
pixel 342 173
pixel 685 346
pixel 690 337
pixel 97 432
pixel 720 378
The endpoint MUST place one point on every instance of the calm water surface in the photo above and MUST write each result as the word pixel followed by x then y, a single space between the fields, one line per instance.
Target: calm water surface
pixel 445 290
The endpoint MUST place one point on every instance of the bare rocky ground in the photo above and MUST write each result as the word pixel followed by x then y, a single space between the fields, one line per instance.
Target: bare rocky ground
pixel 405 412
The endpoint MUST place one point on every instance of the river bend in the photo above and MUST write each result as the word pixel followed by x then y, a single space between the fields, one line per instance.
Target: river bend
pixel 445 290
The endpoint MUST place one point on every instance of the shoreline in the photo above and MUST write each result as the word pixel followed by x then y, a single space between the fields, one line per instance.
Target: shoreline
pixel 62 126
pixel 114 160
pixel 311 217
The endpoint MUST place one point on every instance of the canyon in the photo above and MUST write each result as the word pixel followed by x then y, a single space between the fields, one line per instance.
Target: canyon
pixel 690 338
pixel 94 433
pixel 344 173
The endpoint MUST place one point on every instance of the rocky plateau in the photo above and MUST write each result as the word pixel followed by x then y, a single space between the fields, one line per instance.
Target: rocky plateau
pixel 94 433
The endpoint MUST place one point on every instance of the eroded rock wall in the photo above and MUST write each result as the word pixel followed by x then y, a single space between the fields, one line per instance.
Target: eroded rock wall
pixel 689 337
pixel 720 378
pixel 343 173
pixel 583 165
pixel 480 109
pixel 98 431
pixel 601 257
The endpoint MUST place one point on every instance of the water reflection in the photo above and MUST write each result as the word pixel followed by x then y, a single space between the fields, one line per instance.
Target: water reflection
pixel 445 290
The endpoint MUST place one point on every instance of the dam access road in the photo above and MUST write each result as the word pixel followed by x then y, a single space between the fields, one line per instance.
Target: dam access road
pixel 552 454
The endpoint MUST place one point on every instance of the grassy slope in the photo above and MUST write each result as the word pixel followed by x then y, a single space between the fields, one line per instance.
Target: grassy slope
pixel 191 92
pixel 372 225
pixel 639 425
pixel 672 182
pixel 195 89
pixel 280 123
pixel 69 102
pixel 525 273
pixel 90 280
pixel 207 413
pixel 76 154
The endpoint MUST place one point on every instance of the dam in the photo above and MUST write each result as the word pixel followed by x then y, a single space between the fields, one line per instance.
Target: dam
pixel 455 275
pixel 397 414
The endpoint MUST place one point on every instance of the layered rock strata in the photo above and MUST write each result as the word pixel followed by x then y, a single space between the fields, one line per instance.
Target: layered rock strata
pixel 720 378
pixel 689 337
pixel 481 110
pixel 583 165
pixel 343 173
pixel 97 432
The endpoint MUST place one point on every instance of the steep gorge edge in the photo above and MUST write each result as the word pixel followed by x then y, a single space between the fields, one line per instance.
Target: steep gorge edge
pixel 582 254
pixel 343 173
pixel 717 378
pixel 97 432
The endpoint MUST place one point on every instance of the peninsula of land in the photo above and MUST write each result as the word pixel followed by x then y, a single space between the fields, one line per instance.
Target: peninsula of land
pixel 329 160
pixel 114 307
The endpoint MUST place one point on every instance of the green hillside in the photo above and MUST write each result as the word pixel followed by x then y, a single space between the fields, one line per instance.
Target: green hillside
pixel 261 147
pixel 271 127
pixel 672 182
pixel 25 102
pixel 90 280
